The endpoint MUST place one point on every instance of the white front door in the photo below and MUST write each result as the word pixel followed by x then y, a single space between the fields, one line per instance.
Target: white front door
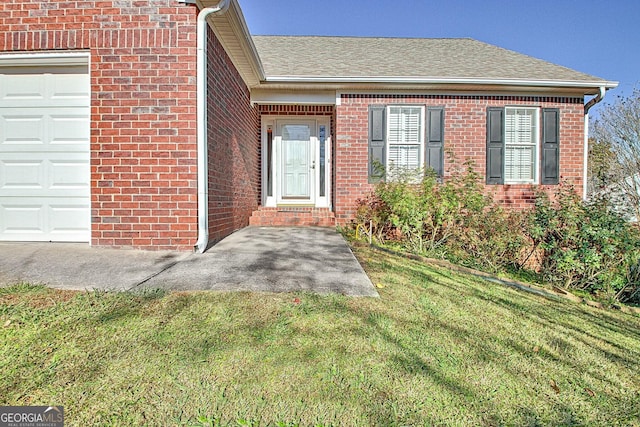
pixel 296 164
pixel 296 160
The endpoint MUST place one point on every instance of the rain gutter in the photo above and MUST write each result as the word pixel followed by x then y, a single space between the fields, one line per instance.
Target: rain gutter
pixel 585 161
pixel 201 101
pixel 443 80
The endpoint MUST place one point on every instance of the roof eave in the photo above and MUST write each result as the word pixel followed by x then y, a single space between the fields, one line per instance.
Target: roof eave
pixel 584 87
pixel 231 30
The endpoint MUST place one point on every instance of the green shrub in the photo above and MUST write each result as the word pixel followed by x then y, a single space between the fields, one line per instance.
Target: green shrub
pixel 493 241
pixel 584 245
pixel 578 245
pixel 453 219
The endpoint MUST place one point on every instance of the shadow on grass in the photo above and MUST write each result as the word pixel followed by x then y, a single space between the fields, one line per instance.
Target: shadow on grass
pixel 238 337
pixel 562 323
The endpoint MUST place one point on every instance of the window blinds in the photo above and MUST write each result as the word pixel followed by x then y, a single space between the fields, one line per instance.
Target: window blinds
pixel 521 135
pixel 404 138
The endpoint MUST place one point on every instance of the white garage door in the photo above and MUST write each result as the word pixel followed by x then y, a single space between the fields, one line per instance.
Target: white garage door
pixel 44 153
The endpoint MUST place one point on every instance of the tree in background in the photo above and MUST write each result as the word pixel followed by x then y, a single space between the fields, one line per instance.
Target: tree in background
pixel 614 154
pixel 601 165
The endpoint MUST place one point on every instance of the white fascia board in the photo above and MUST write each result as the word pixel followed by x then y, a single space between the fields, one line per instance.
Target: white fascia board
pixel 247 41
pixel 44 58
pixel 461 92
pixel 325 97
pixel 241 44
pixel 430 80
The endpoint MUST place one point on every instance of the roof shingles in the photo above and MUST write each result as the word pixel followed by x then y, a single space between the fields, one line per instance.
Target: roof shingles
pixel 364 57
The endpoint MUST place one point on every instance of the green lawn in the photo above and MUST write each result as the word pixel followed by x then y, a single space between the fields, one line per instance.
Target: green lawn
pixel 437 348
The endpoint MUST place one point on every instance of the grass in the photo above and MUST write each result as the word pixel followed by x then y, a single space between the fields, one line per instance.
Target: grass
pixel 437 348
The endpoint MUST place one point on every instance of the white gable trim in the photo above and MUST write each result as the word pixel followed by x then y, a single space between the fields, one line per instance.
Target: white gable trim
pixel 232 32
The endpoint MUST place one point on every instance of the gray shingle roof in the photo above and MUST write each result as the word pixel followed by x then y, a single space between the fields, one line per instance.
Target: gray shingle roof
pixel 363 57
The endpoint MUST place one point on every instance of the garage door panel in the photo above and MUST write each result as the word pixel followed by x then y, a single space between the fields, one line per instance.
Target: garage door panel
pixel 44 153
pixel 43 219
pixel 67 88
pixel 68 218
pixel 20 217
pixel 23 89
pixel 18 176
pixel 59 176
pixel 69 129
pixel 68 175
pixel 25 128
pixel 54 87
pixel 30 129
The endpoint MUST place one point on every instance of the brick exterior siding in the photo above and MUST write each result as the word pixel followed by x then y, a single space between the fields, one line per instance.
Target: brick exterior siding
pixel 465 137
pixel 234 146
pixel 143 122
pixel 143 117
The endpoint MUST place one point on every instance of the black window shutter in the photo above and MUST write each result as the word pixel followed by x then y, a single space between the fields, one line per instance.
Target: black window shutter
pixel 435 140
pixel 495 145
pixel 550 146
pixel 377 143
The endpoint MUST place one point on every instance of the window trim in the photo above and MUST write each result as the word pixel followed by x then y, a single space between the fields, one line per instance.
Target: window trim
pixel 536 154
pixel 421 134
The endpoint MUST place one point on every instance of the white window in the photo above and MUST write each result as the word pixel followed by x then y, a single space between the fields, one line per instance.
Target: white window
pixel 405 140
pixel 521 145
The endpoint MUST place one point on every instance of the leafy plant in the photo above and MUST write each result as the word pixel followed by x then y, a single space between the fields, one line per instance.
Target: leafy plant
pixel 584 245
pixel 578 245
pixel 454 219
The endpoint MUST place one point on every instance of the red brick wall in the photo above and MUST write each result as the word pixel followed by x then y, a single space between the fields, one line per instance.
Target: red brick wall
pixel 306 110
pixel 465 136
pixel 143 109
pixel 234 146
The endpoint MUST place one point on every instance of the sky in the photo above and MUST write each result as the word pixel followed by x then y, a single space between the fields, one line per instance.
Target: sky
pixel 597 37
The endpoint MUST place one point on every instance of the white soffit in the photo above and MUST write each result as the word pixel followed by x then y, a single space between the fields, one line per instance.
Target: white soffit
pixel 231 30
pixel 302 97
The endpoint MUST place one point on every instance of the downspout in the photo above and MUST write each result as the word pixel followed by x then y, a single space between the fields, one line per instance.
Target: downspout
pixel 201 102
pixel 599 97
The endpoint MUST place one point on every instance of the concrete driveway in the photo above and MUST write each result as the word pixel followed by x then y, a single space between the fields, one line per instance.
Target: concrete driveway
pixel 258 259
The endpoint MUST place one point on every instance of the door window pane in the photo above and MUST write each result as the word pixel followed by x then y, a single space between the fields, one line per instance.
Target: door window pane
pixel 322 141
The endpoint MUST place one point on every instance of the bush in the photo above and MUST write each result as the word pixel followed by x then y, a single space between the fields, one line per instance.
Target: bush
pixel 453 220
pixel 578 245
pixel 584 245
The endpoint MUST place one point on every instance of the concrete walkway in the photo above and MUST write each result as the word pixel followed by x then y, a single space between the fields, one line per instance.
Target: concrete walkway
pixel 258 259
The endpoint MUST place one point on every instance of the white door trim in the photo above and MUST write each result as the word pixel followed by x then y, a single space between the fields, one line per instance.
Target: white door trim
pixel 272 170
pixel 37 59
